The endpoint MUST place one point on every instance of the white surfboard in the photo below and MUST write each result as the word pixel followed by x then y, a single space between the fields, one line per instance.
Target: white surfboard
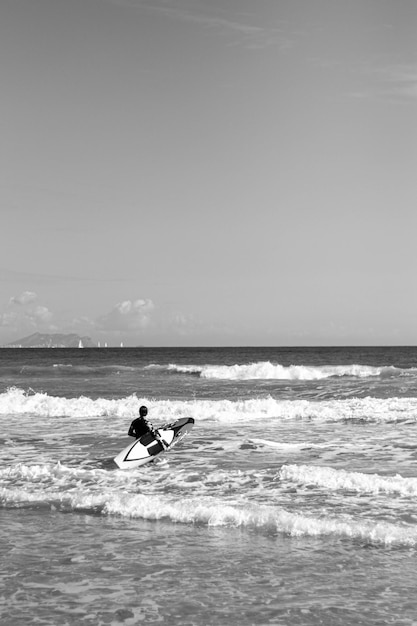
pixel 147 447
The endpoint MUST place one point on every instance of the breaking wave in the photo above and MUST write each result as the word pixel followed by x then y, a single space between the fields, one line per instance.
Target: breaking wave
pixel 266 370
pixel 335 479
pixel 101 492
pixel 16 401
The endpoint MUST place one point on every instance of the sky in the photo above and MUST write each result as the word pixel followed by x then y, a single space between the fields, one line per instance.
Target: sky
pixel 209 172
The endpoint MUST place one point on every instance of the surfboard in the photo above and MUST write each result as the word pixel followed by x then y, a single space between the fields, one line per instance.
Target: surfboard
pixel 147 447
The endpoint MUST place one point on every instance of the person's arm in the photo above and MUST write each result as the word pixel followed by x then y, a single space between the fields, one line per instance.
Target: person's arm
pixel 158 437
pixel 132 432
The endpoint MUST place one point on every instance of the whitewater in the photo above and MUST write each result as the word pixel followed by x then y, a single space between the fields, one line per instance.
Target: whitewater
pixel 296 489
pixel 267 370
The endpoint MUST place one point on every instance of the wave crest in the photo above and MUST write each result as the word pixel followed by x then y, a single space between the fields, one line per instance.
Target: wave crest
pixel 18 402
pixel 99 492
pixel 334 479
pixel 265 370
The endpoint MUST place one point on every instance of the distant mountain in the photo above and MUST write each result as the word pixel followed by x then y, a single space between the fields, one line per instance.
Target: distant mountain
pixel 46 340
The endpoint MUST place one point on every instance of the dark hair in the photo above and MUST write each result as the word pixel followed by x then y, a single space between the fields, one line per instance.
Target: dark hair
pixel 143 411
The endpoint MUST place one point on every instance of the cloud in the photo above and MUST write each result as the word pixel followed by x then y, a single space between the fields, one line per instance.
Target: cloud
pixel 82 322
pixel 131 321
pixel 128 316
pixel 39 315
pixel 182 324
pixel 27 297
pixel 132 318
pixel 26 317
pixel 255 36
pixel 396 82
pixel 25 314
pixel 8 319
pixel 402 80
pixel 34 314
pixel 226 22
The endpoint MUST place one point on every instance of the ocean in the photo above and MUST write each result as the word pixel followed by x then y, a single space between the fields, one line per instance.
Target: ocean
pixel 291 502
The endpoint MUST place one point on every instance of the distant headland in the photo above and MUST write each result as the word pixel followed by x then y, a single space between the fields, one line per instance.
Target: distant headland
pixel 56 340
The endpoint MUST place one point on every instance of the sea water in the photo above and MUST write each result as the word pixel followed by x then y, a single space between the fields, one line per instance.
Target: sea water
pixel 292 500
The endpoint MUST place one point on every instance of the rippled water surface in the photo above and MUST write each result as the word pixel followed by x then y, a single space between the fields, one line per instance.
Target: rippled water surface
pixel 292 500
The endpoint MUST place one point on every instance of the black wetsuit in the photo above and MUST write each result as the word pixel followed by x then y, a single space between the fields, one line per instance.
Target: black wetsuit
pixel 140 426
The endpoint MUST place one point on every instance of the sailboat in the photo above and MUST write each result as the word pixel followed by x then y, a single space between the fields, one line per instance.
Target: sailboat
pixel 80 344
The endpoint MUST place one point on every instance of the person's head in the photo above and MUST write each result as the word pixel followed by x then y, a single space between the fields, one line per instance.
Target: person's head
pixel 143 411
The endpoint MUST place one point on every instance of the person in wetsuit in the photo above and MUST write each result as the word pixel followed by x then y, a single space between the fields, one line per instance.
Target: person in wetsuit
pixel 140 426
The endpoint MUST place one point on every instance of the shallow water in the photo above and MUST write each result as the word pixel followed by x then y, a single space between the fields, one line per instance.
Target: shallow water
pixel 292 500
pixel 156 572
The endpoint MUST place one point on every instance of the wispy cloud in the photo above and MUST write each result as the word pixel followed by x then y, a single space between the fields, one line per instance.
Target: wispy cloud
pixel 222 21
pixel 401 80
pixel 396 82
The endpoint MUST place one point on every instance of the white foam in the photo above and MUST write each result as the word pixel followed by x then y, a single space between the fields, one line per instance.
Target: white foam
pixel 265 370
pixel 60 476
pixel 17 402
pixel 333 479
pixel 210 512
pixel 282 445
pixel 115 493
